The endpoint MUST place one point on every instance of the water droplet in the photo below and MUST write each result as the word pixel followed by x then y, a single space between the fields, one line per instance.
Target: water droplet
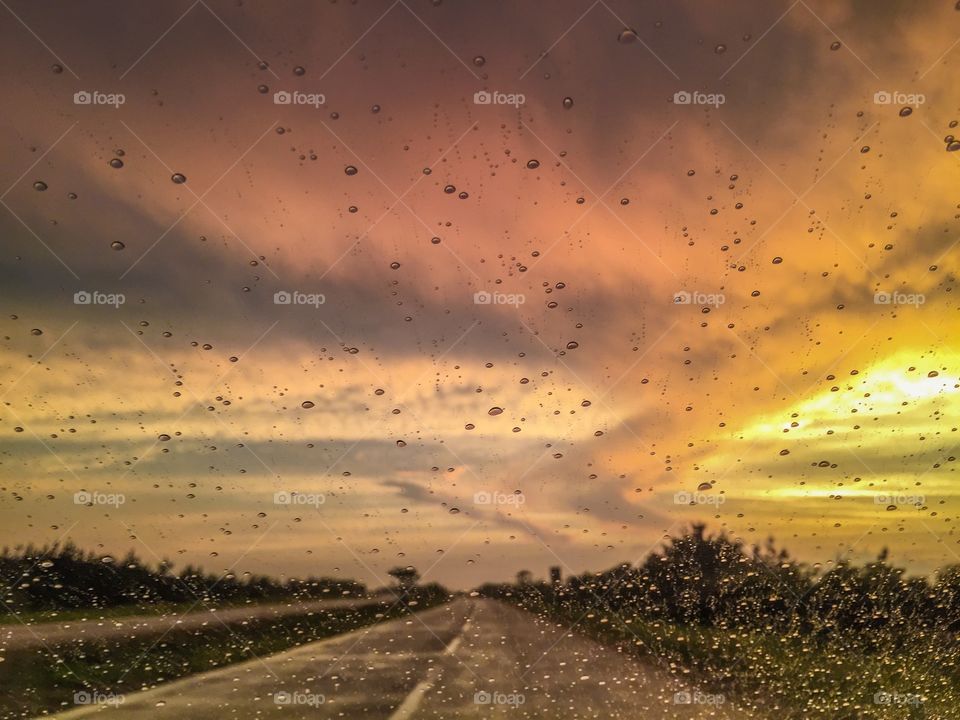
pixel 116 163
pixel 263 89
pixel 720 49
pixel 573 345
pixel 704 486
pixel 178 178
pixel 117 245
pixel 350 170
pixel 906 111
pixel 299 70
pixel 394 265
pixel 163 437
pixel 57 68
pixel 449 189
pixel 454 511
pixel 306 404
pixel 835 45
pixel 568 102
pixel 865 149
pixel 533 164
pixel 479 61
pixel 494 411
pixel 375 109
pixel 39 186
pixel 777 260
pixel 953 146
pixel 401 444
pixel 36 331
pixel 627 36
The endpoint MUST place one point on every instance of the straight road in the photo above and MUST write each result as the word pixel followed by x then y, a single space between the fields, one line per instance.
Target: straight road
pixel 19 636
pixel 466 659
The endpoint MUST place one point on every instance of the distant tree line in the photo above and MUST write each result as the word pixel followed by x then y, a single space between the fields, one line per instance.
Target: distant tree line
pixel 58 577
pixel 714 581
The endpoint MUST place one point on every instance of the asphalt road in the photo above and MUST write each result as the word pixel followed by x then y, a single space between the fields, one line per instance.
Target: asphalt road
pixel 19 636
pixel 466 659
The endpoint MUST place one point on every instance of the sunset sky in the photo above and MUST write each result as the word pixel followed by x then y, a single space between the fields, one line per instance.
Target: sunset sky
pixel 783 208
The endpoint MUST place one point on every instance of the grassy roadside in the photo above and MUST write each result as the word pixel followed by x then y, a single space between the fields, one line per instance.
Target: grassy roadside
pixel 35 682
pixel 122 611
pixel 789 676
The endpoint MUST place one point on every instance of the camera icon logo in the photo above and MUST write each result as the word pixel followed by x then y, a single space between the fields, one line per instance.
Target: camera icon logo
pixel 82 698
pixel 82 498
pixel 283 497
pixel 282 297
pixel 882 97
pixel 482 298
pixel 682 97
pixel 482 97
pixel 682 298
pixel 482 498
pixel 882 298
pixel 482 698
pixel 282 97
pixel 682 698
pixel 82 297
pixel 282 698
pixel 683 498
pixel 82 97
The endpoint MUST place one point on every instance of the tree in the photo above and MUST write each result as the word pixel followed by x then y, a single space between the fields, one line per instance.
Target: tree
pixel 406 577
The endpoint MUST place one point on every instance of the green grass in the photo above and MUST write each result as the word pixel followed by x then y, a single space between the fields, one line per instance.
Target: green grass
pixel 37 681
pixel 784 675
pixel 121 611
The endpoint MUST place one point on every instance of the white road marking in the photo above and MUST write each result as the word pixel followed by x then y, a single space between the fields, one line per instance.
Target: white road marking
pixel 410 703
